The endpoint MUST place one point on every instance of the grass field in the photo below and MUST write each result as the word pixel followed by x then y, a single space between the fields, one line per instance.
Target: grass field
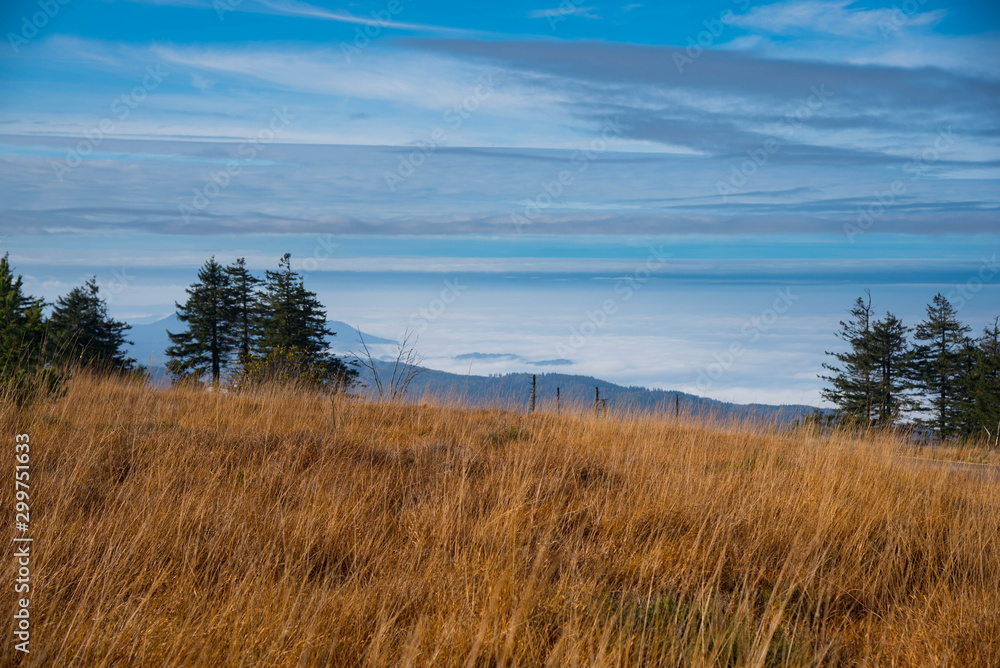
pixel 185 528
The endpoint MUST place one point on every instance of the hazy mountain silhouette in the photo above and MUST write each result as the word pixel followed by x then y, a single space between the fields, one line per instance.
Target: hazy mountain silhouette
pixel 512 390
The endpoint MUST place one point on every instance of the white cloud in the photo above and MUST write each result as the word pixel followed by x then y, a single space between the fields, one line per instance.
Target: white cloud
pixel 834 17
pixel 382 19
pixel 567 9
pixel 975 55
pixel 420 80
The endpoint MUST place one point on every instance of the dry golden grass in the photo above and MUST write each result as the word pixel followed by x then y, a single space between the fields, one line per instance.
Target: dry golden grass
pixel 183 528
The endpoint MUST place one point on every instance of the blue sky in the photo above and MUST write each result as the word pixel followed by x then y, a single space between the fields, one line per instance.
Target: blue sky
pixel 708 156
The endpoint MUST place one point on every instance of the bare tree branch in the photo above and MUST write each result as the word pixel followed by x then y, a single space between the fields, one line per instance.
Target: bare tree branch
pixel 405 368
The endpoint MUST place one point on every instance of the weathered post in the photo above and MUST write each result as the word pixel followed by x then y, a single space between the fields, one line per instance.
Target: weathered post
pixel 597 402
pixel 677 406
pixel 557 401
pixel 532 393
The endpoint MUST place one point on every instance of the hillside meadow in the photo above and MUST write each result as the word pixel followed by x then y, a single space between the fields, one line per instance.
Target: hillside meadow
pixel 180 527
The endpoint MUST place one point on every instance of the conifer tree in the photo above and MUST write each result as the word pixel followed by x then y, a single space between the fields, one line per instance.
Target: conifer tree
pixel 981 387
pixel 890 354
pixel 290 316
pixel 851 384
pixel 22 327
pixel 291 320
pixel 210 340
pixel 80 330
pixel 244 288
pixel 937 369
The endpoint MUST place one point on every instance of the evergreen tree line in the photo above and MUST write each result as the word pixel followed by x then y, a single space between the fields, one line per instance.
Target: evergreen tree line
pixel 77 331
pixel 943 380
pixel 253 329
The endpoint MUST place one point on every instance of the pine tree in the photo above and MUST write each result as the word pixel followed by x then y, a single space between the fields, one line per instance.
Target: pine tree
pixel 211 338
pixel 244 288
pixel 292 321
pixel 80 330
pixel 937 369
pixel 290 316
pixel 890 353
pixel 851 384
pixel 982 385
pixel 22 327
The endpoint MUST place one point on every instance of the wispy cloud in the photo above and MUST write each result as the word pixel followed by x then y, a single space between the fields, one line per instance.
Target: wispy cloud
pixel 296 8
pixel 305 10
pixel 838 31
pixel 566 9
pixel 835 17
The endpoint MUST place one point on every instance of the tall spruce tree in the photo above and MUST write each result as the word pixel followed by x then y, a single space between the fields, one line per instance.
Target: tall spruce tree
pixel 291 320
pixel 982 385
pixel 890 354
pixel 937 369
pixel 208 344
pixel 244 288
pixel 22 326
pixel 290 316
pixel 851 384
pixel 80 330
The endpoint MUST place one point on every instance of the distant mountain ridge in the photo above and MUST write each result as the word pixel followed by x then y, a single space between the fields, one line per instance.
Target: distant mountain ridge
pixel 149 340
pixel 512 390
pixel 348 335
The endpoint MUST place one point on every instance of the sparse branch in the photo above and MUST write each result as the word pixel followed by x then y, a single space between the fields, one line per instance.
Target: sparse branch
pixel 405 368
pixel 368 362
